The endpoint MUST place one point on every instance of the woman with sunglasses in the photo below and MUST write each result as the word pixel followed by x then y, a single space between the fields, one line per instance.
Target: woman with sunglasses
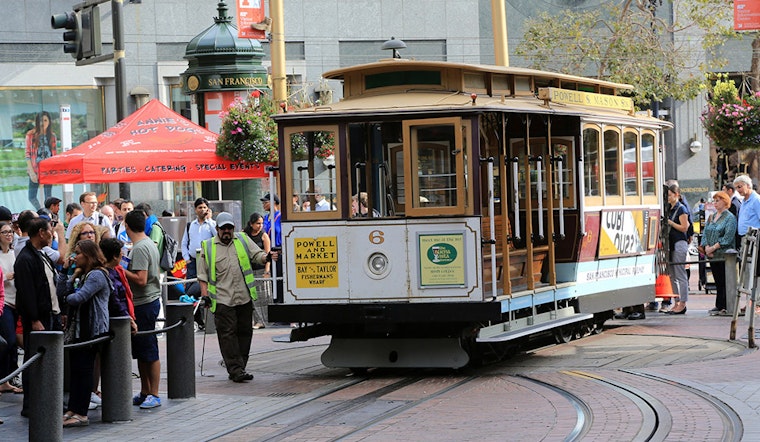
pixel 85 230
pixel 88 291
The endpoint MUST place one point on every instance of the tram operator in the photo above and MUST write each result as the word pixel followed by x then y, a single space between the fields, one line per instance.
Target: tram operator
pixel 226 279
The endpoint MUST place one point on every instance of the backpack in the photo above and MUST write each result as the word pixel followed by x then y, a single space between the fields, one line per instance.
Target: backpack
pixel 169 252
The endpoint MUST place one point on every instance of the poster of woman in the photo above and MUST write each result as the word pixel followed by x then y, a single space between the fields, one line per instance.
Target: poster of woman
pixel 40 144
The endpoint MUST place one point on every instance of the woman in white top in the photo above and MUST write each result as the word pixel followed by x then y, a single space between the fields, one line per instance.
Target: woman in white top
pixel 9 316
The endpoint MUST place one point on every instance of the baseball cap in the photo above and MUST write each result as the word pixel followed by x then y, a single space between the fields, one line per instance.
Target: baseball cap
pixel 5 214
pixel 267 198
pixel 52 200
pixel 224 219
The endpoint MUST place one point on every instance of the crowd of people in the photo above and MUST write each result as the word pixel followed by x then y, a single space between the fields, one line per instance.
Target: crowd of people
pixel 72 274
pixel 736 209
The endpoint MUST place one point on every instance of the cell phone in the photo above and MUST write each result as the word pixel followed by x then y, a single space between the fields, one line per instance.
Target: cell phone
pixel 277 249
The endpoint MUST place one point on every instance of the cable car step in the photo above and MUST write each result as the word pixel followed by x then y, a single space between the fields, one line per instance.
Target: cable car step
pixel 520 327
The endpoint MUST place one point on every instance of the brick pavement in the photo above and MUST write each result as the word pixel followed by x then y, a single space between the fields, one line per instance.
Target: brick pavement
pixel 285 379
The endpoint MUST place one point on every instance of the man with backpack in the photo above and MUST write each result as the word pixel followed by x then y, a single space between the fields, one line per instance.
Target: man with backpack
pixel 89 203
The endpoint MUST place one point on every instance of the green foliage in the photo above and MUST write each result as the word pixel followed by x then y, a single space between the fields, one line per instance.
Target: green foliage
pixel 731 122
pixel 248 131
pixel 631 43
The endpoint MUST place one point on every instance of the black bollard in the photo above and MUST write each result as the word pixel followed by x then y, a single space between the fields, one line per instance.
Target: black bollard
pixel 116 372
pixel 180 351
pixel 46 387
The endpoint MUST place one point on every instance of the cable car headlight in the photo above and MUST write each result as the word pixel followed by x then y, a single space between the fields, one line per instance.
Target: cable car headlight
pixel 378 264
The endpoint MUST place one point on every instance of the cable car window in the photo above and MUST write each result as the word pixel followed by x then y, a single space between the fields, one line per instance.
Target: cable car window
pixel 630 165
pixel 611 162
pixel 647 164
pixel 436 165
pixel 314 183
pixel 591 162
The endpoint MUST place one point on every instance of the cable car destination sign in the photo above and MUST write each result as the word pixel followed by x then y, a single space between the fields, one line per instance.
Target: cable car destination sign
pixel 567 96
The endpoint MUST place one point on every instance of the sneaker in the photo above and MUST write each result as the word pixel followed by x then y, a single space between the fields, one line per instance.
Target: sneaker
pixel 95 398
pixel 714 311
pixel 93 406
pixel 258 325
pixel 139 398
pixel 151 402
pixel 16 382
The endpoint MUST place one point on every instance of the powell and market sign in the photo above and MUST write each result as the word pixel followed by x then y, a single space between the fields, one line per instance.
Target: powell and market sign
pixel 195 83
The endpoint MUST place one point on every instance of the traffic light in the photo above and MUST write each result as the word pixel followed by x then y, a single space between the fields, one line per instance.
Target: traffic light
pixel 90 23
pixel 82 35
pixel 72 37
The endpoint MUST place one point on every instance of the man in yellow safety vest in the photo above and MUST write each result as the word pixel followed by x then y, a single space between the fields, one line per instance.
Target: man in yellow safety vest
pixel 226 279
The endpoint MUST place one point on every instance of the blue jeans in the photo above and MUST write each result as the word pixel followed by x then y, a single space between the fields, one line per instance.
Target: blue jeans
pixel 33 190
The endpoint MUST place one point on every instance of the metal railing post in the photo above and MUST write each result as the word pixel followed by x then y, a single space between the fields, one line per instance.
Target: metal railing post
pixel 180 351
pixel 46 387
pixel 116 372
pixel 731 279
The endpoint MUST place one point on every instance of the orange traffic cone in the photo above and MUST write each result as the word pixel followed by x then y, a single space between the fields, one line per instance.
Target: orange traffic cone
pixel 663 288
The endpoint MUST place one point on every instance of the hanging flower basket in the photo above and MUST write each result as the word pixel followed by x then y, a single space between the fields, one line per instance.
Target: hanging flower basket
pixel 248 131
pixel 732 123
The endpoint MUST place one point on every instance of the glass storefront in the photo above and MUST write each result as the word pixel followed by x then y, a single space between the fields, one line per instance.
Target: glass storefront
pixel 30 131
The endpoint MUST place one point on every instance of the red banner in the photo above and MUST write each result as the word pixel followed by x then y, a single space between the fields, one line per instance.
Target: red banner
pixel 746 15
pixel 248 13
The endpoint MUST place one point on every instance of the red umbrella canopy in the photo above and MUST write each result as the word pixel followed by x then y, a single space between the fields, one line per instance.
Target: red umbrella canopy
pixel 153 144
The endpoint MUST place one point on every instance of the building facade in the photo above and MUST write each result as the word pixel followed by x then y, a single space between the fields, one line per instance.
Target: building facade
pixel 36 76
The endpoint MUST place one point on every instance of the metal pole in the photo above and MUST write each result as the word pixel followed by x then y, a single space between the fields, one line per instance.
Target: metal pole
pixel 279 85
pixel 499 25
pixel 120 73
pixel 45 386
pixel 116 372
pixel 180 351
pixel 731 298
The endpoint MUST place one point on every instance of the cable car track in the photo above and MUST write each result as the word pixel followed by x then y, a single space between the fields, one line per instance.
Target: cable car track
pixel 324 415
pixel 656 416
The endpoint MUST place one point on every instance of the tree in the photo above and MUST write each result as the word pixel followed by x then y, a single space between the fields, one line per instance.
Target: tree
pixel 634 42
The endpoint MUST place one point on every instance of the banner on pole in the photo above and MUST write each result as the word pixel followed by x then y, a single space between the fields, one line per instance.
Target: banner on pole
pixel 250 12
pixel 746 15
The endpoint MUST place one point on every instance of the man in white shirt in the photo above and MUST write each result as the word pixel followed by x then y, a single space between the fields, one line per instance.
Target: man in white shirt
pixel 197 231
pixel 89 203
pixel 322 203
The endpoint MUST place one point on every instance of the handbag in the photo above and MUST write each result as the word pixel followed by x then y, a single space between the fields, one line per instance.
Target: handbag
pixel 71 333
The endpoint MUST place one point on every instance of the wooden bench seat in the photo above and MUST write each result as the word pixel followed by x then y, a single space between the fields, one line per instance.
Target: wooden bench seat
pixel 518 265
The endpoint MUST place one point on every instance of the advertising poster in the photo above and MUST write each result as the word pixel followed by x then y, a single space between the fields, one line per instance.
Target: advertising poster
pixel 441 259
pixel 622 232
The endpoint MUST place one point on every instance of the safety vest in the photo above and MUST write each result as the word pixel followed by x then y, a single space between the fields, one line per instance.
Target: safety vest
pixel 241 247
